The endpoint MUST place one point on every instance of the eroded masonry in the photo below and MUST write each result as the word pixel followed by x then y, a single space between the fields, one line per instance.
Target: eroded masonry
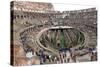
pixel 41 35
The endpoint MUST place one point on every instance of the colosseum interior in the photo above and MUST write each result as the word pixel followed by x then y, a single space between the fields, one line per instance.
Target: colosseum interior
pixel 41 35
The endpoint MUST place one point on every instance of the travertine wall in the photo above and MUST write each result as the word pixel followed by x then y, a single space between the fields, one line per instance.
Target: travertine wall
pixel 31 6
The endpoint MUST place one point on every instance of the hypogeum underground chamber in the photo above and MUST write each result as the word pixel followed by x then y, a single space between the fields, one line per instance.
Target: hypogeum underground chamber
pixel 60 37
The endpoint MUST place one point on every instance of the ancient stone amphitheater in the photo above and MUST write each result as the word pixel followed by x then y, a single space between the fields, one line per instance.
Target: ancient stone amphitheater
pixel 38 28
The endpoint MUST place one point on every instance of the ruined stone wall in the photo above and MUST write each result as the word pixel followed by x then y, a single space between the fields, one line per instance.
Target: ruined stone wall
pixel 85 21
pixel 31 6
